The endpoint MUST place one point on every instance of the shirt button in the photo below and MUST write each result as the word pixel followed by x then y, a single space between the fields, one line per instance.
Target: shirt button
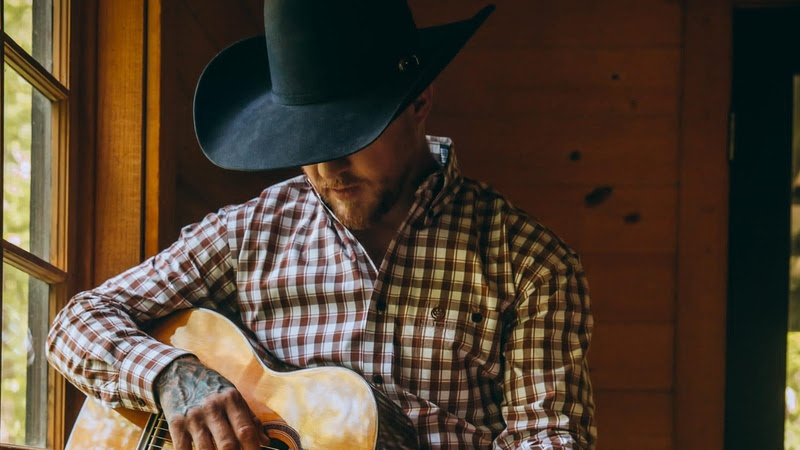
pixel 141 402
pixel 477 317
pixel 437 313
pixel 381 306
pixel 377 379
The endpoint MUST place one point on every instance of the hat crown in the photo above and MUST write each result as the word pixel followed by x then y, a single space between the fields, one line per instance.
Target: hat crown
pixel 320 50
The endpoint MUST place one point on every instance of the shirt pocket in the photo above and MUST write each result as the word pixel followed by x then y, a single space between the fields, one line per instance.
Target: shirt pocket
pixel 479 342
pixel 445 352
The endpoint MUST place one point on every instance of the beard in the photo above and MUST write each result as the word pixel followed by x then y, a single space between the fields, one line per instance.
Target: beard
pixel 361 213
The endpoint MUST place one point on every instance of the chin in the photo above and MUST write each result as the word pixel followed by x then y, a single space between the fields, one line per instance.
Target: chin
pixel 357 223
pixel 353 220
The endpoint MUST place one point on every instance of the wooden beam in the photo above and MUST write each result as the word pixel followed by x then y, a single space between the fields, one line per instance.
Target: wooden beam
pixel 120 136
pixel 156 180
pixel 82 79
pixel 702 226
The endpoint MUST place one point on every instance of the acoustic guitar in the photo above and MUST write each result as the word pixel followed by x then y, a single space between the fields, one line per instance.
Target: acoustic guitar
pixel 317 408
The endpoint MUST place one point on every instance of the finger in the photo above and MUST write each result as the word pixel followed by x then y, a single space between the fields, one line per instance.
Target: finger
pixel 220 428
pixel 181 439
pixel 244 423
pixel 199 427
pixel 203 440
pixel 263 439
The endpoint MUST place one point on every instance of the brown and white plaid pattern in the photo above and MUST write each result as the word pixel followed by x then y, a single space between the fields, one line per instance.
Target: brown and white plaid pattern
pixel 477 322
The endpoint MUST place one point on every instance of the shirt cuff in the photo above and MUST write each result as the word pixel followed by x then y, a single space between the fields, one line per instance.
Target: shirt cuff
pixel 142 364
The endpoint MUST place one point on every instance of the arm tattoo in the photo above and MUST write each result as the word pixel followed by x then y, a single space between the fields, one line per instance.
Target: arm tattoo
pixel 185 383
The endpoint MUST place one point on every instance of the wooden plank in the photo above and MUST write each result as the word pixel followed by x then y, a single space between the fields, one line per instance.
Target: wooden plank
pixel 193 32
pixel 517 69
pixel 158 174
pixel 231 20
pixel 702 227
pixel 551 150
pixel 83 111
pixel 120 106
pixel 560 81
pixel 765 3
pixel 631 287
pixel 634 420
pixel 458 99
pixel 632 356
pixel 572 23
pixel 632 219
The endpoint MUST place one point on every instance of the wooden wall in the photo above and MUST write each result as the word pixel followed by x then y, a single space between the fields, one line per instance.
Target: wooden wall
pixel 576 110
pixel 571 110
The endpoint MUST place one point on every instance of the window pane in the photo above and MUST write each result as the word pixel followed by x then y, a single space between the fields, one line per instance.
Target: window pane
pixel 26 166
pixel 30 24
pixel 792 423
pixel 23 399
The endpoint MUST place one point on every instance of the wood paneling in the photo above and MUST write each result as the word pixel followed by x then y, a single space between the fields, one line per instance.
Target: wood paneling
pixel 632 356
pixel 590 150
pixel 560 82
pixel 631 287
pixel 702 251
pixel 195 31
pixel 634 420
pixel 560 101
pixel 565 23
pixel 629 220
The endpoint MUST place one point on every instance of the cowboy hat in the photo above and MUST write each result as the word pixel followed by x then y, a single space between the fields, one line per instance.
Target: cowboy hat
pixel 324 81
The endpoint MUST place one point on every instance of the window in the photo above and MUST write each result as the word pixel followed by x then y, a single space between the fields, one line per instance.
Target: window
pixel 35 104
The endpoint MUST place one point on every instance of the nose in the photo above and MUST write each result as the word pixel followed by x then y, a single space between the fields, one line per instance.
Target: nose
pixel 332 169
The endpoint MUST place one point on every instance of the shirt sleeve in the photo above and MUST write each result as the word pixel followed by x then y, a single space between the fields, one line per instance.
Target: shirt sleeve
pixel 96 340
pixel 547 394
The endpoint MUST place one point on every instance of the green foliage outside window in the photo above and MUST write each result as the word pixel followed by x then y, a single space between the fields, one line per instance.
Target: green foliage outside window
pixel 18 23
pixel 792 433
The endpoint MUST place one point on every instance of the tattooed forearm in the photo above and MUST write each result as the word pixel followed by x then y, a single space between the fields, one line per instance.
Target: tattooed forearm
pixel 185 383
pixel 204 408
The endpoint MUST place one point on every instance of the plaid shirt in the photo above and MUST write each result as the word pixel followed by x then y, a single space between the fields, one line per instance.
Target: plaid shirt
pixel 477 322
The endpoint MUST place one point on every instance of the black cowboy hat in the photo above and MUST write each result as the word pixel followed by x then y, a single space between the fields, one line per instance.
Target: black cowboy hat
pixel 324 82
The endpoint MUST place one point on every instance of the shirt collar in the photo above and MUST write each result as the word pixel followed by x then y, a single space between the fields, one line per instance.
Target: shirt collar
pixel 440 187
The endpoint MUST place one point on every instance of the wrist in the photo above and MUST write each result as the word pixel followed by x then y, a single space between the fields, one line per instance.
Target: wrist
pixel 170 371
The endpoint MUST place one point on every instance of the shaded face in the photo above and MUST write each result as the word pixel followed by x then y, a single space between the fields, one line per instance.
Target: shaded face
pixel 363 187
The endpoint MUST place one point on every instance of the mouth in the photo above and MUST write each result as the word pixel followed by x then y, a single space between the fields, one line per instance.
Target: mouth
pixel 346 191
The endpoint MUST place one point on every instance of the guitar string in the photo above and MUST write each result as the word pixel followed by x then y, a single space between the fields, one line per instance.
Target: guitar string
pixel 161 447
pixel 160 428
pixel 158 447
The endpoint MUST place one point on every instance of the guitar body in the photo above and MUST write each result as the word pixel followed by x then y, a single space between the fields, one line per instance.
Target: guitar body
pixel 318 408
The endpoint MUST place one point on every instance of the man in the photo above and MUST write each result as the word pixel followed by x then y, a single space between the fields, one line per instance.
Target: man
pixel 381 258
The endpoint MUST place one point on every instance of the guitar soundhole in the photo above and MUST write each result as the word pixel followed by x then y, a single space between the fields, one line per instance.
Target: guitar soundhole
pixel 282 436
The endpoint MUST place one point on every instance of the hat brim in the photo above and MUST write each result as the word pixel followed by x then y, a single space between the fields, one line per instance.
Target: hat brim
pixel 240 126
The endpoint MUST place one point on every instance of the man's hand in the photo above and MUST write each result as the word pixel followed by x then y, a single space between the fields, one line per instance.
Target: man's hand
pixel 203 407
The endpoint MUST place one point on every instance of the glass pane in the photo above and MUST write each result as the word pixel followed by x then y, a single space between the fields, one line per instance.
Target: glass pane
pixel 792 423
pixel 30 24
pixel 23 398
pixel 26 166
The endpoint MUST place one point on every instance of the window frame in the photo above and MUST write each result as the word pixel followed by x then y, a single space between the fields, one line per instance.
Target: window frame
pixel 55 85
